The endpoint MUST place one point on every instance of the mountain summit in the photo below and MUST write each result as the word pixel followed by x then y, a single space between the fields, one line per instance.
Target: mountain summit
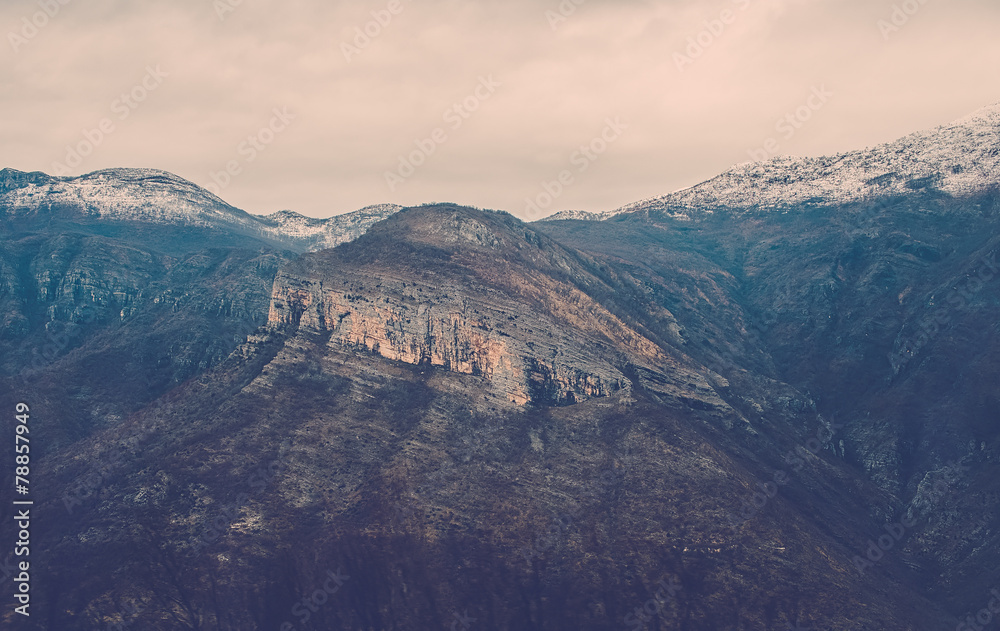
pixel 958 159
pixel 767 402
pixel 158 198
pixel 536 320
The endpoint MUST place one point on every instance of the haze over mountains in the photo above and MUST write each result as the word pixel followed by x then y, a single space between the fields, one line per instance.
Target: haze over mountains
pixel 774 391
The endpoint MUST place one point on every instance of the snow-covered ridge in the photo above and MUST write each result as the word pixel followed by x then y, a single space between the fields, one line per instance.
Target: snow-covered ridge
pixel 154 196
pixel 960 158
pixel 121 194
pixel 581 215
pixel 328 233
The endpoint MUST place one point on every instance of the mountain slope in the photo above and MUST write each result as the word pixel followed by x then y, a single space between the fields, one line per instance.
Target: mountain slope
pixel 958 159
pixel 127 282
pixel 881 305
pixel 158 198
pixel 567 339
pixel 412 390
pixel 774 393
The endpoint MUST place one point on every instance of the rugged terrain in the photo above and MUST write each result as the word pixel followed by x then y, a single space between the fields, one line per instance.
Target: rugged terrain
pixel 718 400
pixel 147 199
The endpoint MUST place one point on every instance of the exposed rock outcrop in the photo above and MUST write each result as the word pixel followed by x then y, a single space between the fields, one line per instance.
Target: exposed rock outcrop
pixel 405 321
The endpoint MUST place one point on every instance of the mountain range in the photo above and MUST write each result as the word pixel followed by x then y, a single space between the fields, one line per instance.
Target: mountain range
pixel 768 401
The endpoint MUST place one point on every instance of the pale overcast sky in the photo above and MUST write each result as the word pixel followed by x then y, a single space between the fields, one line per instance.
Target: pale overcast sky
pixel 541 84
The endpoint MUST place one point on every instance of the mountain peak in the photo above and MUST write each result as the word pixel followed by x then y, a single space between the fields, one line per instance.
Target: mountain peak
pixel 450 225
pixel 157 197
pixel 12 178
pixel 581 215
pixel 957 159
pixel 477 292
pixel 148 195
pixel 130 174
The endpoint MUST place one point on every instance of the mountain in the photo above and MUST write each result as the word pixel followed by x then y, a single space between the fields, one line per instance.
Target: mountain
pixel 157 198
pixel 320 234
pixel 134 276
pixel 435 393
pixel 576 214
pixel 958 159
pixel 713 410
pixel 879 300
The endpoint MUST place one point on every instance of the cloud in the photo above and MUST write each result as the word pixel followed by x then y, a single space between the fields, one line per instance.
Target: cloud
pixel 231 65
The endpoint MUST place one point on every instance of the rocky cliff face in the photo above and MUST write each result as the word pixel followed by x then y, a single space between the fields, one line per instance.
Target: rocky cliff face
pixel 126 282
pixel 538 425
pixel 460 413
pixel 113 323
pixel 491 328
pixel 885 313
pixel 402 322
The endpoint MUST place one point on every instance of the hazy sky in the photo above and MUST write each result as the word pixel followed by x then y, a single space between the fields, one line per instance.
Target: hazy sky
pixel 311 116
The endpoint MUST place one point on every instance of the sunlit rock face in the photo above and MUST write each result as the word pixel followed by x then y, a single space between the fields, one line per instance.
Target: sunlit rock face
pixel 488 326
pixel 742 391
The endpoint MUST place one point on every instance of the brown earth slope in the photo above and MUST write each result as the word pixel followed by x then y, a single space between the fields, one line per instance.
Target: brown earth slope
pixel 456 415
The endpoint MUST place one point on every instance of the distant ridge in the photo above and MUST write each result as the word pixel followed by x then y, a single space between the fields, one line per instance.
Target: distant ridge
pixel 160 197
pixel 960 158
